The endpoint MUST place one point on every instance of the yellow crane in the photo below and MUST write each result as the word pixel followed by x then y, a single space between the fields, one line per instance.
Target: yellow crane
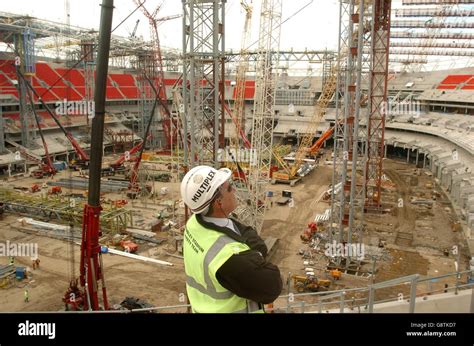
pixel 289 173
pixel 238 111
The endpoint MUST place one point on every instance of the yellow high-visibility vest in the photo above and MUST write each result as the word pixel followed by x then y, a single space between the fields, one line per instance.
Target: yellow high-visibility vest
pixel 205 251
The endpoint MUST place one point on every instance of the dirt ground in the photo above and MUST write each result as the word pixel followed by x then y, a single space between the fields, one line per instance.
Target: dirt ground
pixel 415 240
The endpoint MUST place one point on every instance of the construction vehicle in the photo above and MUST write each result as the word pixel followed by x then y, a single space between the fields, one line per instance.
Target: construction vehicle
pixel 285 198
pixel 42 172
pixel 308 234
pixel 335 274
pixel 34 188
pixel 305 283
pixel 129 246
pixel 292 174
pixel 126 156
pixel 55 190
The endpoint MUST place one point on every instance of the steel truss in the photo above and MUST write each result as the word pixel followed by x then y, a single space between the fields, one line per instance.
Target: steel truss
pixel 203 72
pixel 264 104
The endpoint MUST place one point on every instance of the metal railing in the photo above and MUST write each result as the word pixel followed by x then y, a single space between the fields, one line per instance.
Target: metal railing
pixel 331 300
pixel 337 299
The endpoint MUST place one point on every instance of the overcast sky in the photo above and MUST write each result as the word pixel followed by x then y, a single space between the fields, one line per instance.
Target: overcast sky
pixel 315 27
pixel 311 24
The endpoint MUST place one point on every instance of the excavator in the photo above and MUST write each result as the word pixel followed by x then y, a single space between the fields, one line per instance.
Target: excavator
pixel 305 283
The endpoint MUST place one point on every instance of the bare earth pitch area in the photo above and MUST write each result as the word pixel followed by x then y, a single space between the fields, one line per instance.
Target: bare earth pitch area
pixel 415 235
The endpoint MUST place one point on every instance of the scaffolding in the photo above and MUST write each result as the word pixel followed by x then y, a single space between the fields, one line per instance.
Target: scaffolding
pixel 25 64
pixel 146 67
pixel 422 24
pixel 433 12
pixel 462 45
pixel 437 35
pixel 377 102
pixel 264 104
pixel 432 52
pixel 203 76
pixel 436 2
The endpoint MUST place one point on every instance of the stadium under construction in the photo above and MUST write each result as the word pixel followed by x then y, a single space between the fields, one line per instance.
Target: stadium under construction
pixel 354 163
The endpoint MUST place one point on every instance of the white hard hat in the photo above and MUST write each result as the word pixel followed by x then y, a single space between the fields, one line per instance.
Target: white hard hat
pixel 200 185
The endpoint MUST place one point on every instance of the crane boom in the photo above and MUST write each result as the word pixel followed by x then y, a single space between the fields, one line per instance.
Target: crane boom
pixel 124 156
pixel 167 123
pixel 77 148
pixel 264 104
pixel 135 28
pixel 48 167
pixel 323 102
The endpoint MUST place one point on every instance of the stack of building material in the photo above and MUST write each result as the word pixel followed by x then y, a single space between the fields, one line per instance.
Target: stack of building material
pixel 323 217
pixel 7 270
pixel 83 184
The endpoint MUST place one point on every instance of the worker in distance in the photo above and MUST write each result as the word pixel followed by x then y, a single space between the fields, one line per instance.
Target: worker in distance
pixel 224 260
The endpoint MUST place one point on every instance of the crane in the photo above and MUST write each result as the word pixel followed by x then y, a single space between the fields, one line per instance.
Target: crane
pixel 126 156
pixel 132 35
pixel 164 19
pixel 46 168
pixel 83 157
pixel 169 127
pixel 290 173
pixel 91 264
pixel 238 110
pixel 263 118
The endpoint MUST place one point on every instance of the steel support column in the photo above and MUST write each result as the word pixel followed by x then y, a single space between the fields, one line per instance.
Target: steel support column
pixel 203 66
pixel 377 101
pixel 264 103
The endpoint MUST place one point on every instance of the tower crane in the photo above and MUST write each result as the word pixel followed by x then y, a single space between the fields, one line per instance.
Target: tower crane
pixel 169 127
pixel 238 110
pixel 263 118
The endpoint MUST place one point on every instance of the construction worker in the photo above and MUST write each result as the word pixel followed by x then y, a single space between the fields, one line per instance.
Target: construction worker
pixel 224 260
pixel 12 260
pixel 27 296
pixel 35 263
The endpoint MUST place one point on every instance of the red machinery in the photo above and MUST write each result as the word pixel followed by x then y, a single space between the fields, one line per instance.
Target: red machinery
pixel 83 157
pixel 91 265
pixel 126 155
pixel 307 235
pixel 55 190
pixel 319 143
pixel 159 78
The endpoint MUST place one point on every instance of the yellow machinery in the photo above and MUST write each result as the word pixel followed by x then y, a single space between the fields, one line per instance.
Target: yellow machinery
pixel 290 173
pixel 303 283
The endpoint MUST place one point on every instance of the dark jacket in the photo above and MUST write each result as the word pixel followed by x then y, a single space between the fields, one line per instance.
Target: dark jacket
pixel 248 274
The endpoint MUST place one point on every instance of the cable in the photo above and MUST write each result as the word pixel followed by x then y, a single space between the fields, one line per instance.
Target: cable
pixel 141 4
